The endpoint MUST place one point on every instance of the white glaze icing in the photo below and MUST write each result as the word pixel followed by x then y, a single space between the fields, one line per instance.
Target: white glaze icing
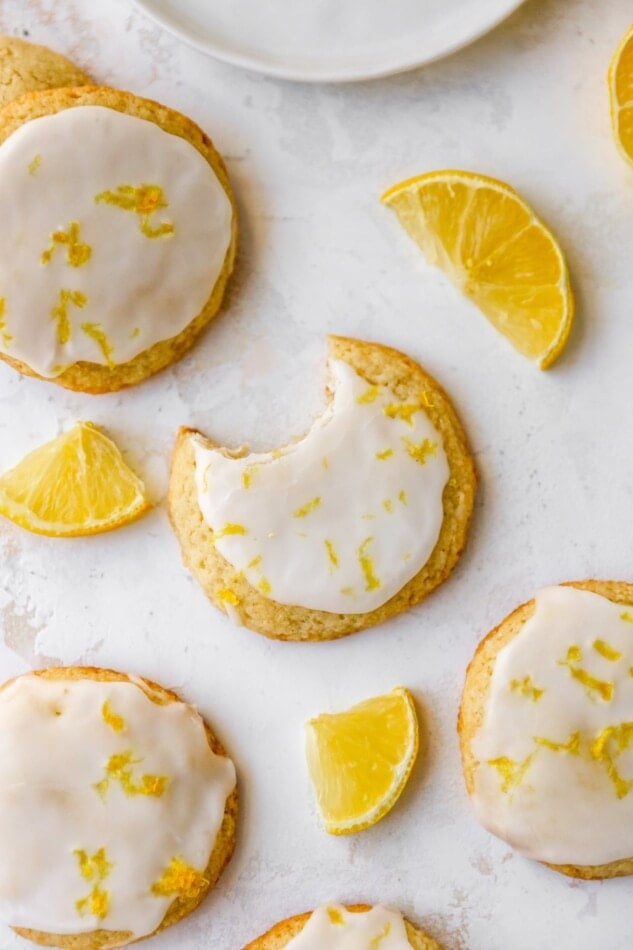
pixel 337 928
pixel 571 803
pixel 131 284
pixel 55 746
pixel 341 519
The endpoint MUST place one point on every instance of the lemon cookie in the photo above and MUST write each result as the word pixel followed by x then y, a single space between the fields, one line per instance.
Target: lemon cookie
pixel 118 236
pixel 26 67
pixel 546 729
pixel 359 927
pixel 355 522
pixel 117 808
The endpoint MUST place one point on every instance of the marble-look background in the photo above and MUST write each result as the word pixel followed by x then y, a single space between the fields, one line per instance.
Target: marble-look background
pixel 555 453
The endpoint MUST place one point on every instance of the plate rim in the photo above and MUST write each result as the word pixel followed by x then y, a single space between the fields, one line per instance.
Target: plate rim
pixel 252 63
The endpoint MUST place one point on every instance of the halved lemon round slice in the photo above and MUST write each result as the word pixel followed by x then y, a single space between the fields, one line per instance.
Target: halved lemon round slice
pixel 494 248
pixel 359 760
pixel 74 485
pixel 620 79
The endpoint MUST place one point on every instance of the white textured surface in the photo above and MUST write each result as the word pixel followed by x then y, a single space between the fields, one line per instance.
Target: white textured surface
pixel 529 105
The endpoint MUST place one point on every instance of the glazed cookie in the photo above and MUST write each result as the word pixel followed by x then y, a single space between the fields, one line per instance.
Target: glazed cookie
pixel 359 927
pixel 357 521
pixel 546 729
pixel 117 808
pixel 26 67
pixel 118 236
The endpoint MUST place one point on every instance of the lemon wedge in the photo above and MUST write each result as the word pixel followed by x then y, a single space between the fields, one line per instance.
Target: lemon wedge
pixel 74 485
pixel 359 760
pixel 494 248
pixel 620 79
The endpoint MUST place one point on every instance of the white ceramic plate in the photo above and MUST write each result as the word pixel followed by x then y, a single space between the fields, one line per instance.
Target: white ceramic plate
pixel 328 40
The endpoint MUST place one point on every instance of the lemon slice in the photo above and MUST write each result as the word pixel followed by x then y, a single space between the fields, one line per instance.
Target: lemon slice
pixel 491 244
pixel 77 484
pixel 620 79
pixel 359 761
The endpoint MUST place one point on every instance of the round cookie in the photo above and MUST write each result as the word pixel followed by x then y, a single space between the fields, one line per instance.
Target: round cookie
pixel 177 300
pixel 285 931
pixel 557 687
pixel 26 67
pixel 411 398
pixel 166 806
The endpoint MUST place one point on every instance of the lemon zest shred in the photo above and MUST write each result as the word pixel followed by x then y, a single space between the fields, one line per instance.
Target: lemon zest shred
pixel 367 566
pixel 111 718
pixel 382 456
pixel 370 395
pixel 607 651
pixel 144 201
pixel 119 769
pixel 375 942
pixel 527 688
pixel 331 553
pixel 402 410
pixel 34 164
pixel 96 333
pixel 402 497
pixel 335 916
pixel 307 509
pixel 264 586
pixel 248 474
pixel 592 684
pixel 627 616
pixel 77 253
pixel 572 745
pixel 622 736
pixel 97 902
pixel 229 529
pixel 420 451
pixel 6 337
pixel 59 313
pixel 388 505
pixel 180 879
pixel 512 773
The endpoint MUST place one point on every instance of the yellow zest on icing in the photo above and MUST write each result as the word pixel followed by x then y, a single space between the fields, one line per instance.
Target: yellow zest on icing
pixel 620 736
pixel 331 553
pixel 367 565
pixel 6 337
pixel 264 586
pixel 95 332
pixel 591 683
pixel 384 455
pixel 228 529
pixel 608 652
pixel 324 462
pixel 97 903
pixel 248 474
pixel 378 939
pixel 93 867
pixel 77 253
pixel 402 410
pixel 421 451
pixel 34 164
pixel 307 508
pixel 111 718
pixel 228 596
pixel 60 312
pixel 572 745
pixel 143 200
pixel 335 916
pixel 255 562
pixel 179 879
pixel 135 332
pixel 119 769
pixel 527 688
pixel 407 556
pixel 512 773
pixel 402 497
pixel 370 395
pixel 388 505
pixel 348 591
pixel 627 616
